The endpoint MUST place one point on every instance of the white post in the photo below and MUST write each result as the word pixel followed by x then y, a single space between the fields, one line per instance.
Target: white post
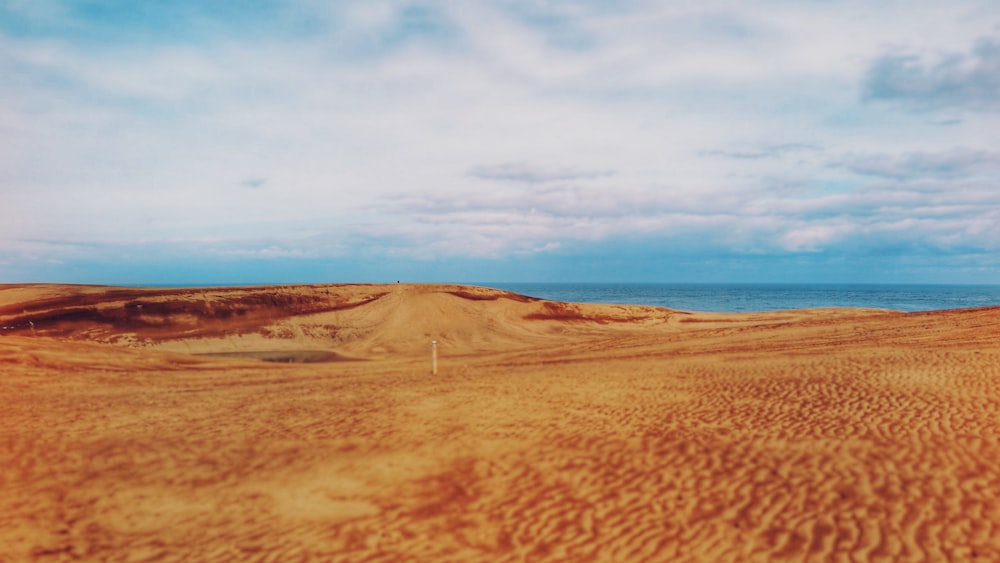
pixel 434 357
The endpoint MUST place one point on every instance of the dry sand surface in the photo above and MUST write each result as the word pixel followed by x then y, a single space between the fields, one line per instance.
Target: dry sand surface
pixel 551 432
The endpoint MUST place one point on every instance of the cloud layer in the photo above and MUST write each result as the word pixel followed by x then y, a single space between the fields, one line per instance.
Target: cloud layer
pixel 453 135
pixel 968 81
pixel 521 172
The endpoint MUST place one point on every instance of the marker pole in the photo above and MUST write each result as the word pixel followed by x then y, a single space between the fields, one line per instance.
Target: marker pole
pixel 434 357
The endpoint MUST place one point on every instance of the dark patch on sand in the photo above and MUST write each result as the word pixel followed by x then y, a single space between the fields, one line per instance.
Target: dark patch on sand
pixel 285 356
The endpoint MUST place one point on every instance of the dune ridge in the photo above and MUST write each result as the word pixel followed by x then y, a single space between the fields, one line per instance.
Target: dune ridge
pixel 553 431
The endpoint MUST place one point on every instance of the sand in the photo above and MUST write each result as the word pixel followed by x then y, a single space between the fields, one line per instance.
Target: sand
pixel 551 432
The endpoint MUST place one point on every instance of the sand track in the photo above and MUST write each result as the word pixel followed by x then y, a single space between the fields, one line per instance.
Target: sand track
pixel 553 431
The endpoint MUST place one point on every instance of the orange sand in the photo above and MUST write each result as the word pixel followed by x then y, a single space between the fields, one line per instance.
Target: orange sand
pixel 552 431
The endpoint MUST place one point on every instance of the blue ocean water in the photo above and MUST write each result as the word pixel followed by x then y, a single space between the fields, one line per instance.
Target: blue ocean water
pixel 731 298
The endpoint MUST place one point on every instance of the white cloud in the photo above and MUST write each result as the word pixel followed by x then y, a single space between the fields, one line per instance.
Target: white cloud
pixel 812 238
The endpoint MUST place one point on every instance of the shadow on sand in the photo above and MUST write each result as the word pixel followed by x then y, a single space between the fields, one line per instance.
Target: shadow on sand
pixel 285 356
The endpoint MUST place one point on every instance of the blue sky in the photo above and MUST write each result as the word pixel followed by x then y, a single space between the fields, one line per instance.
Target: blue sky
pixel 303 140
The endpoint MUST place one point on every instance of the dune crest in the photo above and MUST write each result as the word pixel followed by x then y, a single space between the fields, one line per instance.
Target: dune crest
pixel 553 431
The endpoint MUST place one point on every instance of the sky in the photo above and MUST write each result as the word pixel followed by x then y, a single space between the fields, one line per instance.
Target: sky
pixel 260 141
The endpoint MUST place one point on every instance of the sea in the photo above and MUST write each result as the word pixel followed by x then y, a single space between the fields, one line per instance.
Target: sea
pixel 738 298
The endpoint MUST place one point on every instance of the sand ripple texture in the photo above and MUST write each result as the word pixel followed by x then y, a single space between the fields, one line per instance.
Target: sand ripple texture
pixel 552 432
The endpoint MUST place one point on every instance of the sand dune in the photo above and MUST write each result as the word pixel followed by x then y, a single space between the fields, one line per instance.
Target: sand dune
pixel 373 320
pixel 553 431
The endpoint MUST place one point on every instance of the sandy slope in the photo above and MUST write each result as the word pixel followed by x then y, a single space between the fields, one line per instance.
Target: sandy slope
pixel 552 432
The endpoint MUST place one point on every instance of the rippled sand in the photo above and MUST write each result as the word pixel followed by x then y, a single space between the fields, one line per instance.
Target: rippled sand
pixel 551 432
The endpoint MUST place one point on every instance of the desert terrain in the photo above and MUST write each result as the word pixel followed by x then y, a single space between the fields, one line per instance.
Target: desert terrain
pixel 299 423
